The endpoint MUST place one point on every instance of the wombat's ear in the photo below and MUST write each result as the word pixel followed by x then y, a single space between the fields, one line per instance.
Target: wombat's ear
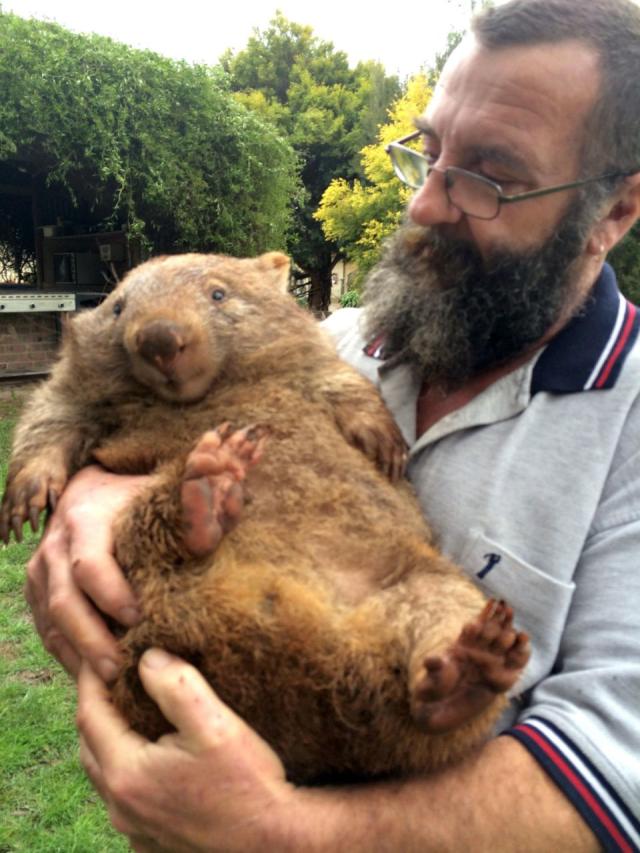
pixel 276 266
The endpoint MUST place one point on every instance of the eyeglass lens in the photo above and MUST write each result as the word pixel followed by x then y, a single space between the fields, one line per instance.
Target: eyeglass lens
pixel 471 194
pixel 467 192
pixel 409 166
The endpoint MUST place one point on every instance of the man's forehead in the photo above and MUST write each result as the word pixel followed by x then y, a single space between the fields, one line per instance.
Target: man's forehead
pixel 539 59
pixel 516 93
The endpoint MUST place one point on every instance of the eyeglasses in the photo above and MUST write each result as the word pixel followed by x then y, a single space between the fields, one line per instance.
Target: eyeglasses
pixel 474 195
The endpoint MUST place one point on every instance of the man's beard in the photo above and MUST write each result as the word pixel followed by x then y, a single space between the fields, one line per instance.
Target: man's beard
pixel 452 314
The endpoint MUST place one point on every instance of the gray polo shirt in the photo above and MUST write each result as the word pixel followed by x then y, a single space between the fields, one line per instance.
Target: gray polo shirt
pixel 533 487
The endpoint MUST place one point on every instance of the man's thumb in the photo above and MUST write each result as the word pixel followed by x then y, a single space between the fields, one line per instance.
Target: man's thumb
pixel 187 700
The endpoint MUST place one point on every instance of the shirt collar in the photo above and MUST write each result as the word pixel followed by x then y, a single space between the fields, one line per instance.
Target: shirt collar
pixel 589 352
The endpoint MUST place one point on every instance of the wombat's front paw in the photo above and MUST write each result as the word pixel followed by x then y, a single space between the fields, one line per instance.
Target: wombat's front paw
pixel 377 436
pixel 28 492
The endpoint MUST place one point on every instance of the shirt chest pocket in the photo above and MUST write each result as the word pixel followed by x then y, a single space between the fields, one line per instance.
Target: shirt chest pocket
pixel 540 602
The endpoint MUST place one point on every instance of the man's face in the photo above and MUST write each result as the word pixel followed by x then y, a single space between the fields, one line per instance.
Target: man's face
pixel 455 294
pixel 517 116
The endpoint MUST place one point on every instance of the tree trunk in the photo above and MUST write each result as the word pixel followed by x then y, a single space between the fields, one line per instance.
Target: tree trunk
pixel 320 291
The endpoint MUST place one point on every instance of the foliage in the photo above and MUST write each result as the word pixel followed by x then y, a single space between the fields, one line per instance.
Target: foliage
pixel 625 259
pixel 328 112
pixel 358 215
pixel 17 245
pixel 350 299
pixel 159 146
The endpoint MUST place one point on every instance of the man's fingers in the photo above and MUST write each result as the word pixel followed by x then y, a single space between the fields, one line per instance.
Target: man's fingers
pixel 91 767
pixel 62 650
pixel 187 700
pixel 102 580
pixel 72 615
pixel 100 724
pixel 93 567
pixel 62 603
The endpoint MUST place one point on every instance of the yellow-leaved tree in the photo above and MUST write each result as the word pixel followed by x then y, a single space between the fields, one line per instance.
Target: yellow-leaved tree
pixel 359 215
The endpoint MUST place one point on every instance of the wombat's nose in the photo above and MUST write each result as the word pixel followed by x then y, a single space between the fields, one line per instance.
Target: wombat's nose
pixel 160 342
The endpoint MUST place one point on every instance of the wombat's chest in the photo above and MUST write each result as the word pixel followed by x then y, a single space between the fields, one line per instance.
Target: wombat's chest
pixel 151 432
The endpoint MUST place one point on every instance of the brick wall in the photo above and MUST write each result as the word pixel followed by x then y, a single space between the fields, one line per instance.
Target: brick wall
pixel 28 342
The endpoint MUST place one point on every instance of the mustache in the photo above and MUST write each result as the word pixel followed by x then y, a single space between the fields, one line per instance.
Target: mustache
pixel 415 246
pixel 426 249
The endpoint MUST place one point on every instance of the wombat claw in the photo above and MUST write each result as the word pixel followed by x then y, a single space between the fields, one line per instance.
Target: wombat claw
pixel 25 498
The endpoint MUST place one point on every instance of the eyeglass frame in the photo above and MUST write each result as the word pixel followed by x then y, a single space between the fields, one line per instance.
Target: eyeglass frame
pixel 501 198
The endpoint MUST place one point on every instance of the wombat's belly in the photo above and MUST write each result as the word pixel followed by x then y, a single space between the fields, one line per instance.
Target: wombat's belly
pixel 327 686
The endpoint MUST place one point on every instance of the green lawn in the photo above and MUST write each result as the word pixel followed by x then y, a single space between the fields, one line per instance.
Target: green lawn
pixel 46 804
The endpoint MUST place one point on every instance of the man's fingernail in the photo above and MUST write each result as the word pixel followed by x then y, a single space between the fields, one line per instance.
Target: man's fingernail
pixel 155 658
pixel 108 669
pixel 130 616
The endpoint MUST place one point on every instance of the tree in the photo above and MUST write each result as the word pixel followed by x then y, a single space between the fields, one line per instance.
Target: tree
pixel 357 215
pixel 328 112
pixel 625 259
pixel 157 146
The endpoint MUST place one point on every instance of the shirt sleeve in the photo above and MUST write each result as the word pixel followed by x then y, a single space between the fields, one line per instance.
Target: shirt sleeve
pixel 582 722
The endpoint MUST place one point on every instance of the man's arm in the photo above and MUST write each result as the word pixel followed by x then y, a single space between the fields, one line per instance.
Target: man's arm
pixel 215 785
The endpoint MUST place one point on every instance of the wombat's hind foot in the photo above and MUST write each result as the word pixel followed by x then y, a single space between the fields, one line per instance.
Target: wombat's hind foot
pixel 486 659
pixel 211 491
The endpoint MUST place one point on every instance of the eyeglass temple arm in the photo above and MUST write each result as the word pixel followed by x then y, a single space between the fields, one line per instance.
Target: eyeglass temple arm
pixel 414 135
pixel 505 199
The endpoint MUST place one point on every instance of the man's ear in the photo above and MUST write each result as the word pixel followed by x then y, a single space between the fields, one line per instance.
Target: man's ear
pixel 619 215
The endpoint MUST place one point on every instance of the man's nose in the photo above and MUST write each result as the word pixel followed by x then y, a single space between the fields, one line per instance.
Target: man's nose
pixel 430 205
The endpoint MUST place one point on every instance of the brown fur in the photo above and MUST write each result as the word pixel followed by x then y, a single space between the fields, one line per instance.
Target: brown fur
pixel 314 615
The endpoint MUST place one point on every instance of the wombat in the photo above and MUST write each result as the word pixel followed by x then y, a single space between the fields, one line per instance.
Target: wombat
pixel 277 547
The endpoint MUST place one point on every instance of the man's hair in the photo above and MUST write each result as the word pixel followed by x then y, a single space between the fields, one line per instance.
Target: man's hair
pixel 612 28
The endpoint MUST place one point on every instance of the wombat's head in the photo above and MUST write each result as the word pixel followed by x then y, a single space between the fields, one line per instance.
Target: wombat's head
pixel 184 321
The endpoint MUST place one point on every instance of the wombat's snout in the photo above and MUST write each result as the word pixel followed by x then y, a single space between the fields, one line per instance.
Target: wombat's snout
pixel 173 358
pixel 160 343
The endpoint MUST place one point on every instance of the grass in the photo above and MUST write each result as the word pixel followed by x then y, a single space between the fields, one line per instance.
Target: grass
pixel 46 803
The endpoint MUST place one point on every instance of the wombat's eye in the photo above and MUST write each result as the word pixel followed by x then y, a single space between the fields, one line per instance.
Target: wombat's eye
pixel 218 295
pixel 117 308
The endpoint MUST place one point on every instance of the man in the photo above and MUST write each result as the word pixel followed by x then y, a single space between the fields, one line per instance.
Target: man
pixel 523 428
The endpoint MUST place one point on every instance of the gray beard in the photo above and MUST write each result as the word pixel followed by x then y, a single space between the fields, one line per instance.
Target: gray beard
pixel 442 308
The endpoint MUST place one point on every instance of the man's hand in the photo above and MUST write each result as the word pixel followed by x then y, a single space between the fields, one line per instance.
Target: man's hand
pixel 213 785
pixel 72 576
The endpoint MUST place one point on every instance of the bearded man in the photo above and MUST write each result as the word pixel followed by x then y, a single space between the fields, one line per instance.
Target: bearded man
pixel 500 341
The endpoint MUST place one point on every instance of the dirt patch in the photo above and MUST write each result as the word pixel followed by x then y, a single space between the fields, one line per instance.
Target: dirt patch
pixel 8 651
pixel 36 676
